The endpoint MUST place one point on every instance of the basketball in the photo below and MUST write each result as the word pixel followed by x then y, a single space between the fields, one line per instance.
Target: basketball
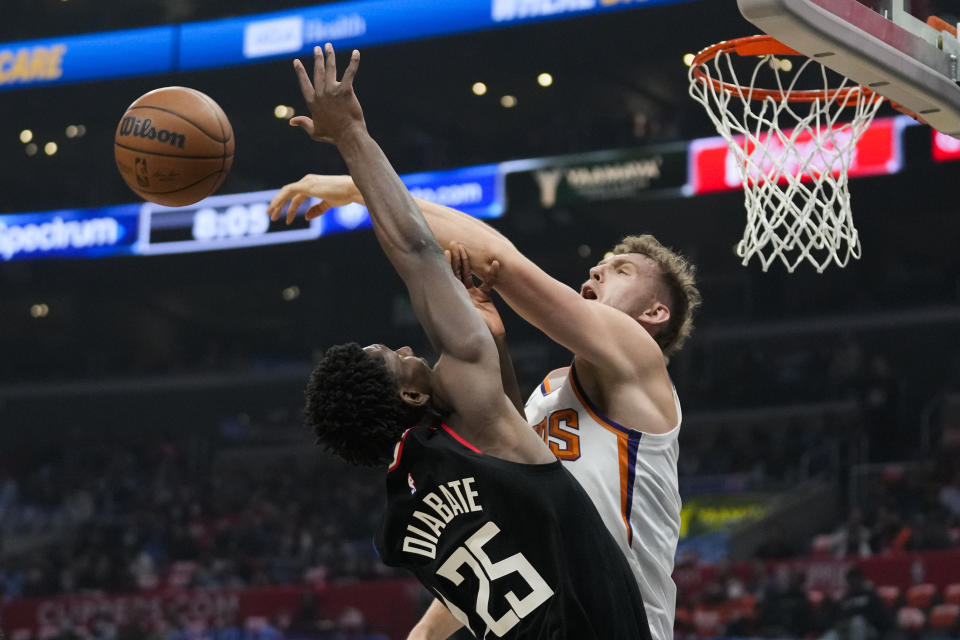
pixel 174 146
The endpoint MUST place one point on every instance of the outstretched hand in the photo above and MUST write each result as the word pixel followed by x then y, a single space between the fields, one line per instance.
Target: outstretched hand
pixel 332 191
pixel 459 261
pixel 333 105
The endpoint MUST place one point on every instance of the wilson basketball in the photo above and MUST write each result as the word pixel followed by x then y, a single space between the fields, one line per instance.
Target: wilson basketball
pixel 174 146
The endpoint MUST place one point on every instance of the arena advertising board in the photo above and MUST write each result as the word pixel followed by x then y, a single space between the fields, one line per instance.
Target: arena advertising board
pixel 592 177
pixel 69 233
pixel 713 165
pixel 222 222
pixel 96 56
pixel 477 191
pixel 254 38
pixel 945 148
pixel 483 191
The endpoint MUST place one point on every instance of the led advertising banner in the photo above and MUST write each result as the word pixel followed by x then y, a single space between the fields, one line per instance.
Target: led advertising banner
pixel 713 167
pixel 945 148
pixel 219 222
pixel 229 221
pixel 233 41
pixel 69 233
pixel 254 38
pixel 477 191
pixel 96 56
pixel 592 177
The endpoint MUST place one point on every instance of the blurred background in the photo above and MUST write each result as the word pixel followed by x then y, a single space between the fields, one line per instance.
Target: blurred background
pixel 155 478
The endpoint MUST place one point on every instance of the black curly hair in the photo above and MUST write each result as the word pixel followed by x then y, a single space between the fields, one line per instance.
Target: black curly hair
pixel 354 406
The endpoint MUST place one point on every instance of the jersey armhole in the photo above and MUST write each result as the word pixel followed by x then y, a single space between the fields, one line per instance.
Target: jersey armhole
pixel 398 451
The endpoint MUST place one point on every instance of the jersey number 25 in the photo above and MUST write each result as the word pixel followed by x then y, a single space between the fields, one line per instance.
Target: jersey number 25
pixel 471 554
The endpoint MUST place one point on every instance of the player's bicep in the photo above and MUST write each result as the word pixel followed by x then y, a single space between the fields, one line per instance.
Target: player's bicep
pixel 590 329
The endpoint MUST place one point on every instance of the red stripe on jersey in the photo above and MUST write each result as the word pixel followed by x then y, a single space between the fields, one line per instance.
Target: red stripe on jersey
pixel 460 439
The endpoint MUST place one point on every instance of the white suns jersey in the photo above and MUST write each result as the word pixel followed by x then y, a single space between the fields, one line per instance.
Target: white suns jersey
pixel 631 476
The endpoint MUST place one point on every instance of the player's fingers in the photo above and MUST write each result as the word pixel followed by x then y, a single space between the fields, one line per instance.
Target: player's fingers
pixel 330 60
pixel 465 258
pixel 273 209
pixel 466 275
pixel 304 80
pixel 351 68
pixel 490 278
pixel 304 123
pixel 455 261
pixel 319 72
pixel 318 210
pixel 295 203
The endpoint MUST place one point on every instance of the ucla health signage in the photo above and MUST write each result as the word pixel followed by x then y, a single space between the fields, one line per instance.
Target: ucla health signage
pixel 366 22
pixel 254 38
pixel 89 233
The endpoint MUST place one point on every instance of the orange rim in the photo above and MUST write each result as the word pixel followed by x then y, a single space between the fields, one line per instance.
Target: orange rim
pixel 764 46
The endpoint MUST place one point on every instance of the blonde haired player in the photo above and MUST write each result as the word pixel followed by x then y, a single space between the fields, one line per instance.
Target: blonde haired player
pixel 613 416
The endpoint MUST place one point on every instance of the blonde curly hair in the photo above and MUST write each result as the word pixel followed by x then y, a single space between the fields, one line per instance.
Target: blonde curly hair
pixel 679 275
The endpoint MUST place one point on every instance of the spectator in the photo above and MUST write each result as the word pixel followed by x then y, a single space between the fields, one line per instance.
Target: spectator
pixel 852 539
pixel 860 614
pixel 787 611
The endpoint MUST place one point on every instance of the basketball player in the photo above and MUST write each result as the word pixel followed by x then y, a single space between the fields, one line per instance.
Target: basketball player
pixel 477 502
pixel 612 417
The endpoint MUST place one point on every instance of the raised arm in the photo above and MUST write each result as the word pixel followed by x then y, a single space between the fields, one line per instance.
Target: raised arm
pixel 483 303
pixel 446 314
pixel 469 366
pixel 596 333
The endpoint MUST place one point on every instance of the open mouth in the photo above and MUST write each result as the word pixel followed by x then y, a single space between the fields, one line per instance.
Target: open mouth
pixel 588 293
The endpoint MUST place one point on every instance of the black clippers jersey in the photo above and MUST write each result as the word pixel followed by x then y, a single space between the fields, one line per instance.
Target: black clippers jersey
pixel 513 550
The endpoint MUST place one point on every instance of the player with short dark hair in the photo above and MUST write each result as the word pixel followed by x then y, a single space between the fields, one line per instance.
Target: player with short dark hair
pixel 479 508
pixel 354 406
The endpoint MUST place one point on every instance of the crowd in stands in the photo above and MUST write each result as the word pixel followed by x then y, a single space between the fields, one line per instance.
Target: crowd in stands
pixel 761 603
pixel 218 510
pixel 134 516
pixel 902 508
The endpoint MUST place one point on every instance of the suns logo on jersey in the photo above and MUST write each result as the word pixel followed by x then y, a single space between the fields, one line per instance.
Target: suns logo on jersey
pixel 560 432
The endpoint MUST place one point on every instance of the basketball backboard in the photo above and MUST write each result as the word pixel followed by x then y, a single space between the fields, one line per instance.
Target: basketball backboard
pixel 912 63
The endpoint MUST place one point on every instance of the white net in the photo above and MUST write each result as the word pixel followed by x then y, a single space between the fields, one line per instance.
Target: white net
pixel 792 151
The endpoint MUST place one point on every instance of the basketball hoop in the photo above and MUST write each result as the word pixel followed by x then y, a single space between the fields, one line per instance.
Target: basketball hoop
pixel 790 148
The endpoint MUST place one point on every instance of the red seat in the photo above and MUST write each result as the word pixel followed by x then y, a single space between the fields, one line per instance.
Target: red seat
pixel 910 618
pixel 952 594
pixel 682 619
pixel 944 616
pixel 707 621
pixel 921 595
pixel 890 594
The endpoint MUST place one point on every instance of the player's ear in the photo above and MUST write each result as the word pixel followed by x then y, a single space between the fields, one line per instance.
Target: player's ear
pixel 656 314
pixel 414 398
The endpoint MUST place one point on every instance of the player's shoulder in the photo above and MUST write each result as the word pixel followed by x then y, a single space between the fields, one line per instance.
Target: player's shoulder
pixel 408 446
pixel 436 439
